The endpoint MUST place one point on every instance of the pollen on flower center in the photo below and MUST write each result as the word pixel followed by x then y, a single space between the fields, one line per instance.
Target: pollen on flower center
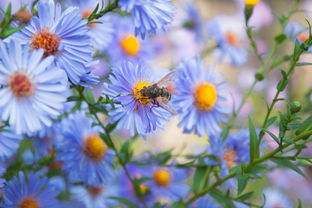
pixel 46 40
pixel 137 92
pixel 205 96
pixel 232 38
pixel 143 189
pixel 302 37
pixel 131 45
pixel 95 191
pixel 29 202
pixel 162 178
pixel 230 156
pixel 94 148
pixel 21 85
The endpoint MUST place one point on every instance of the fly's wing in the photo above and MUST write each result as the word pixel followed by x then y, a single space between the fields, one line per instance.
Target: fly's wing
pixel 164 103
pixel 167 81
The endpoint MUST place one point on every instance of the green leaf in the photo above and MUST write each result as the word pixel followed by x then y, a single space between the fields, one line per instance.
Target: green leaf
pixel 280 38
pixel 124 201
pixel 241 180
pixel 223 200
pixel 288 164
pixel 288 141
pixel 303 64
pixel 199 178
pixel 89 96
pixel 244 196
pixel 125 151
pixel 270 121
pixel 253 142
pixel 273 136
pixel 73 98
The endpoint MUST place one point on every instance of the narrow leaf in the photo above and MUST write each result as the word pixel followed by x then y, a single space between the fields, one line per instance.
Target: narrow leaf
pixel 253 142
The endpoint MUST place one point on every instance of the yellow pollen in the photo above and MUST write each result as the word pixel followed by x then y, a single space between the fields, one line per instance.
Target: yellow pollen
pixel 251 2
pixel 143 189
pixel 131 45
pixel 29 202
pixel 162 178
pixel 46 40
pixel 94 148
pixel 21 85
pixel 205 96
pixel 232 39
pixel 302 37
pixel 137 92
pixel 230 156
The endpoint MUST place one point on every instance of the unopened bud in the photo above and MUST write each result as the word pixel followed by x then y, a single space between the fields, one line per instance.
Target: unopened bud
pixel 22 16
pixel 295 107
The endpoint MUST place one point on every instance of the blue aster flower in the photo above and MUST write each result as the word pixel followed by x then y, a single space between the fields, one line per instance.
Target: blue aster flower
pixel 149 16
pixel 29 191
pixel 168 182
pixel 135 112
pixel 199 97
pixel 228 40
pixel 101 33
pixel 231 152
pixel 9 143
pixel 42 142
pixel 125 45
pixel 84 155
pixel 32 90
pixel 96 196
pixel 194 21
pixel 142 199
pixel 63 35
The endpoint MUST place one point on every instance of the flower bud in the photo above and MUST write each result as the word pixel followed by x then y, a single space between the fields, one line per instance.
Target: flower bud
pixel 295 107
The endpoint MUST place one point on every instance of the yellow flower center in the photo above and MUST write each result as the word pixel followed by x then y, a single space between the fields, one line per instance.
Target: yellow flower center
pixel 94 148
pixel 232 39
pixel 205 96
pixel 21 85
pixel 251 2
pixel 29 202
pixel 230 156
pixel 137 92
pixel 302 37
pixel 46 40
pixel 143 189
pixel 162 178
pixel 131 45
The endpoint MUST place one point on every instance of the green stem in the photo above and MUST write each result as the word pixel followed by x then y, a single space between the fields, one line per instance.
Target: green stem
pixel 255 162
